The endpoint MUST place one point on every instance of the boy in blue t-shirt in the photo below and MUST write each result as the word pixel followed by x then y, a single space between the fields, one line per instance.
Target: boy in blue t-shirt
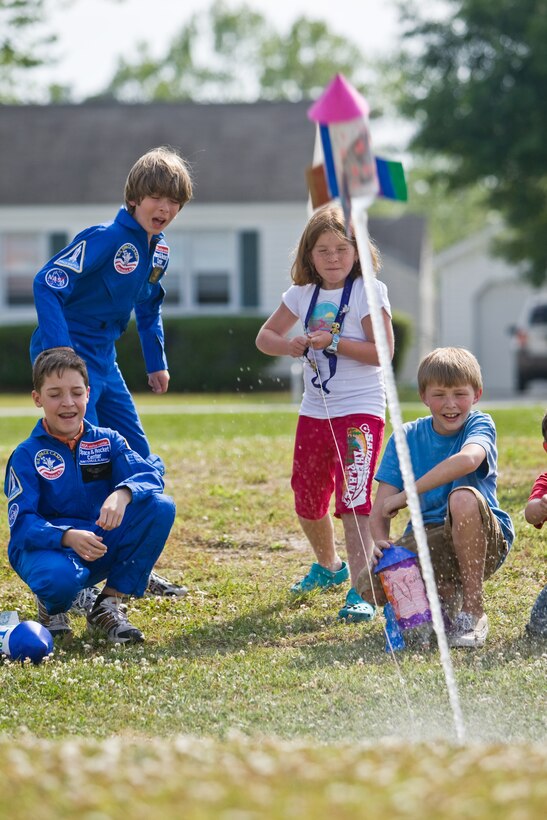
pixel 454 460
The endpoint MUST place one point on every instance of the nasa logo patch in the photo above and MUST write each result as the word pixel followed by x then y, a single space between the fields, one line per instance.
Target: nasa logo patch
pixel 13 512
pixel 126 258
pixel 49 464
pixel 57 279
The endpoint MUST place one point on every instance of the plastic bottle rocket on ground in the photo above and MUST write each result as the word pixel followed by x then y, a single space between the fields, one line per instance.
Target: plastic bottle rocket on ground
pixel 401 579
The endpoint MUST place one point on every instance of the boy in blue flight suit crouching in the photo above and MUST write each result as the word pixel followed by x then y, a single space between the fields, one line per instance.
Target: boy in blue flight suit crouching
pixel 84 296
pixel 82 507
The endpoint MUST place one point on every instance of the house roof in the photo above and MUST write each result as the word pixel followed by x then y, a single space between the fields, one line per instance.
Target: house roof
pixel 241 152
pixel 402 237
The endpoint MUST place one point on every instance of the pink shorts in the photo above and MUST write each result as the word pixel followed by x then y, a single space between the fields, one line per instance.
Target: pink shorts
pixel 340 459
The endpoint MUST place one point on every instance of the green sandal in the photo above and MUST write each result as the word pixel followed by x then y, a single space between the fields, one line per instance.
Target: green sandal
pixel 355 609
pixel 321 578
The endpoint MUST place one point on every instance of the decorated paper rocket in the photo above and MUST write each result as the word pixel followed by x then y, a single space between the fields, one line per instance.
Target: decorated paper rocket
pixel 349 170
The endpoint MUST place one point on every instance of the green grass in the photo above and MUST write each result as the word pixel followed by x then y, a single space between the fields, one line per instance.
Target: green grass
pixel 245 702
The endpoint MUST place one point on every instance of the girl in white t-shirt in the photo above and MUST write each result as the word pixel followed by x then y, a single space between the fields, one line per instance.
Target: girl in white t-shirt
pixel 341 419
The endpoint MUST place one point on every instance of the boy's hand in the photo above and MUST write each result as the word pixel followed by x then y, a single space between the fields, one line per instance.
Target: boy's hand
pixel 113 509
pixel 542 506
pixel 86 544
pixel 377 552
pixel 393 503
pixel 159 381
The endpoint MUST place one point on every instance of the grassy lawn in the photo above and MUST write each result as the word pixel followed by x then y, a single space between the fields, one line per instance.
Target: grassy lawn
pixel 245 703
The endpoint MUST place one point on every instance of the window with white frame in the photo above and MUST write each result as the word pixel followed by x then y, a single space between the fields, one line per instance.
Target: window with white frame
pixel 203 270
pixel 21 256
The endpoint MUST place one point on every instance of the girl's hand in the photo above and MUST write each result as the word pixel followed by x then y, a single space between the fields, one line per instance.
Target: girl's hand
pixel 298 346
pixel 319 339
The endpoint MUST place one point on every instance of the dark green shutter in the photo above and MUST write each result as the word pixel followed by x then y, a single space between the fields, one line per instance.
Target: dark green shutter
pixel 248 245
pixel 57 241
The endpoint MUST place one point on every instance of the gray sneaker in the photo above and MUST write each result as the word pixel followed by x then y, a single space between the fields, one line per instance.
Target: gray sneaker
pixel 161 586
pixel 58 625
pixel 468 630
pixel 84 600
pixel 109 619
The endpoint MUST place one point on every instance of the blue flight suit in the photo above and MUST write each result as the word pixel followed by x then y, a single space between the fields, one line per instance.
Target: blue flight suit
pixel 84 297
pixel 51 488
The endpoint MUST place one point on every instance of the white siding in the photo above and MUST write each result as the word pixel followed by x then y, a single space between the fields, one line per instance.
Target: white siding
pixel 480 297
pixel 279 227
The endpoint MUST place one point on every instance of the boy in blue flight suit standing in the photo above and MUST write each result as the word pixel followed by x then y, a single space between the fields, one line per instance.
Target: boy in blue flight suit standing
pixel 82 507
pixel 85 294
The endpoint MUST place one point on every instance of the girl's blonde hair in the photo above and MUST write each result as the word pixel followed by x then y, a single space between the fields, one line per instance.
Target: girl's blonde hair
pixel 329 217
pixel 159 172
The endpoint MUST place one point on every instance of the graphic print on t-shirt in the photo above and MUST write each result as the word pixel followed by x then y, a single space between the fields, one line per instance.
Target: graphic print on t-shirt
pixel 323 316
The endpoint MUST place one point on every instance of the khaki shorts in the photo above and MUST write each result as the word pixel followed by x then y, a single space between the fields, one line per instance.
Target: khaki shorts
pixel 441 549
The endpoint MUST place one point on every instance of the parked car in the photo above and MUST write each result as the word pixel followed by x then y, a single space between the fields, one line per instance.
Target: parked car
pixel 530 342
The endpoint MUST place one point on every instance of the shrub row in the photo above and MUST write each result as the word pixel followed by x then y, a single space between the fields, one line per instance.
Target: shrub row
pixel 205 354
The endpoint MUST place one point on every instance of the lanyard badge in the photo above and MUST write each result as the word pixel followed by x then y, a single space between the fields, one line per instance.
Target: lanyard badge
pixel 336 327
pixel 156 274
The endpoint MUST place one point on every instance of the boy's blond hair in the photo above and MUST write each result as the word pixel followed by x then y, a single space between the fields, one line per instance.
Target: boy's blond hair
pixel 57 360
pixel 449 367
pixel 329 217
pixel 161 171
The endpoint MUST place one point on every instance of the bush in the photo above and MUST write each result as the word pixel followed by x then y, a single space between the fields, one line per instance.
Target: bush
pixel 206 354
pixel 15 366
pixel 402 329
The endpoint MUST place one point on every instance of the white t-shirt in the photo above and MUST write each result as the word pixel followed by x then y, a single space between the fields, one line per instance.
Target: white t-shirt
pixel 355 387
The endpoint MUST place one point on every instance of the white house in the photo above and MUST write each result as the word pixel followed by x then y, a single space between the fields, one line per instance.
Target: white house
pixel 63 168
pixel 480 299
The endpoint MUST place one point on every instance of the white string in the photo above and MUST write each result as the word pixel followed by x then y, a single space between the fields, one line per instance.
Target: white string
pixel 360 226
pixel 391 650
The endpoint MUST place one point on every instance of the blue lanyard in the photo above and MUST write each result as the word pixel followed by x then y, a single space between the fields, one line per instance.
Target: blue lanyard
pixel 335 329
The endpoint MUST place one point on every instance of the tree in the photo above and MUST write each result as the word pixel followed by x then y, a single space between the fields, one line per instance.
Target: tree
pixel 474 81
pixel 23 43
pixel 235 55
